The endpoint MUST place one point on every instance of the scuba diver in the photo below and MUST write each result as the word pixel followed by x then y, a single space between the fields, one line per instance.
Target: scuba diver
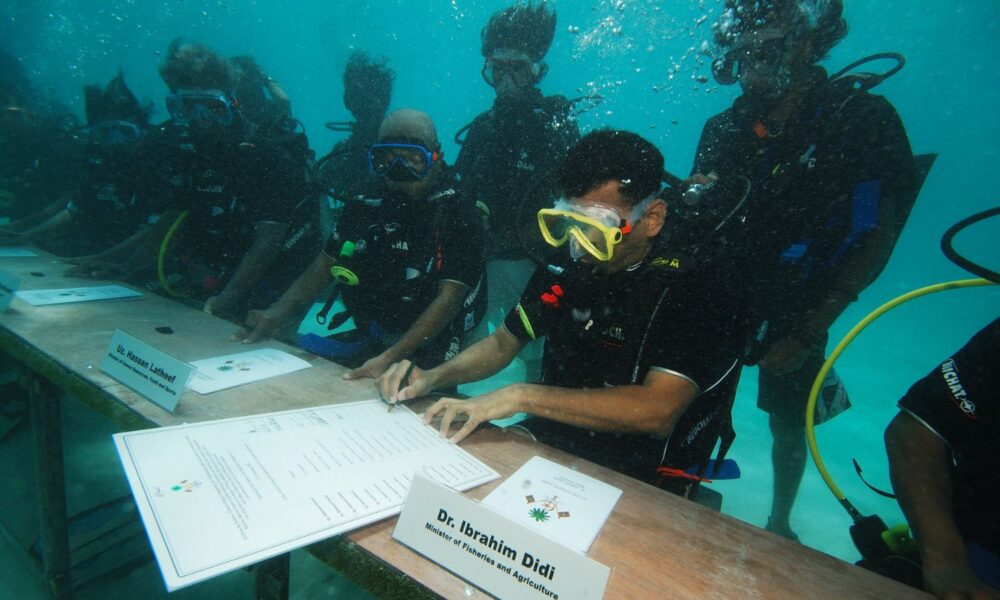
pixel 409 262
pixel 262 99
pixel 38 152
pixel 231 215
pixel 944 460
pixel 639 371
pixel 830 179
pixel 510 155
pixel 101 212
pixel 343 173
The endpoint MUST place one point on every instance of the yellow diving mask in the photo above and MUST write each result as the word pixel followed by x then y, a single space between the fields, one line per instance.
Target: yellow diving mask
pixel 591 229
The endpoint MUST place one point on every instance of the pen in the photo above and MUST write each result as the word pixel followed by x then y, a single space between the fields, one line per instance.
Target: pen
pixel 402 383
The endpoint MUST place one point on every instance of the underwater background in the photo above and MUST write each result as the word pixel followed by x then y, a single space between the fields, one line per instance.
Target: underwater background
pixel 642 57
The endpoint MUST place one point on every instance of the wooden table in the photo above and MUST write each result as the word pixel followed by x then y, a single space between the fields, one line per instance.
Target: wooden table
pixel 658 545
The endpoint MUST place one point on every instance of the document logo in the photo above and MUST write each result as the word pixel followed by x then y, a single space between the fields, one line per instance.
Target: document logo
pixel 182 486
pixel 545 508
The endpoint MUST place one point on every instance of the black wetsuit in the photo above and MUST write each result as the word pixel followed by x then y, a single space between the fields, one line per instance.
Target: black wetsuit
pixel 344 171
pixel 104 208
pixel 820 216
pixel 508 162
pixel 228 186
pixel 606 331
pixel 39 165
pixel 403 250
pixel 959 401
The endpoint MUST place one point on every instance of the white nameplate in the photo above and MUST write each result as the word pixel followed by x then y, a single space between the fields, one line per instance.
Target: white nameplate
pixel 503 558
pixel 154 374
pixel 8 288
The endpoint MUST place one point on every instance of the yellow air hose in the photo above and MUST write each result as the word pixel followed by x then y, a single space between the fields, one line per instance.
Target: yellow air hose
pixel 160 272
pixel 839 349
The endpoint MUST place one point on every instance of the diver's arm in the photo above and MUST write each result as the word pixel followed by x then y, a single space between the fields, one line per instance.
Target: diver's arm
pixel 124 258
pixel 435 317
pixel 34 219
pixel 57 222
pixel 120 251
pixel 858 268
pixel 918 466
pixel 268 236
pixel 479 361
pixel 652 408
pixel 308 285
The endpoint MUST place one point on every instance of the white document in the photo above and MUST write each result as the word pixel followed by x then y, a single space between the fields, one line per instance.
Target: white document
pixel 16 253
pixel 558 502
pixel 220 495
pixel 231 370
pixel 73 295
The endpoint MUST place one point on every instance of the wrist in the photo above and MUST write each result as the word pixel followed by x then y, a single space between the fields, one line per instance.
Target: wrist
pixel 433 379
pixel 946 551
pixel 516 397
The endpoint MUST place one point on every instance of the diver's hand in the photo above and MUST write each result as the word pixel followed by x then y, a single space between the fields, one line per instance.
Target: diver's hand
pixel 13 238
pixel 389 383
pixel 954 582
pixel 786 356
pixel 495 405
pixel 219 304
pixel 700 179
pixel 95 269
pixel 259 324
pixel 373 367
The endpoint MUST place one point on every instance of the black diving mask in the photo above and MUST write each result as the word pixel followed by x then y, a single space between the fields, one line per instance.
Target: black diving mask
pixel 766 50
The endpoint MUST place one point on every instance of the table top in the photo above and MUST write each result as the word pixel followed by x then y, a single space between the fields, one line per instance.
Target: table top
pixel 76 337
pixel 657 544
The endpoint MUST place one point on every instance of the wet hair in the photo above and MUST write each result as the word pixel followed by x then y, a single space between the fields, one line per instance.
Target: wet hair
pixel 251 86
pixel 114 102
pixel 246 72
pixel 194 66
pixel 823 19
pixel 612 155
pixel 526 27
pixel 367 86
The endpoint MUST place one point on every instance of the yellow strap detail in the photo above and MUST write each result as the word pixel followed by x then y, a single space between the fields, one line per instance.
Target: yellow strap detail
pixel 525 321
pixel 839 349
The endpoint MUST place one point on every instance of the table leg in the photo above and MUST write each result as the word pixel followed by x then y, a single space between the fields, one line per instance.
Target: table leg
pixel 271 578
pixel 46 420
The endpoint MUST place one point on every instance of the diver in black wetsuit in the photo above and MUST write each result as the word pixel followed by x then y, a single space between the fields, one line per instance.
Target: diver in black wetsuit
pixel 510 155
pixel 640 367
pixel 39 155
pixel 233 219
pixel 944 458
pixel 343 173
pixel 101 212
pixel 831 178
pixel 409 258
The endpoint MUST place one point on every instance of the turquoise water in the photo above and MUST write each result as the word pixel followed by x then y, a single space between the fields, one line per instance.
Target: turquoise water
pixel 638 55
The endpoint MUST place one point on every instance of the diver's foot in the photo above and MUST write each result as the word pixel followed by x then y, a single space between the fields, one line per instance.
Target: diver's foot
pixel 782 529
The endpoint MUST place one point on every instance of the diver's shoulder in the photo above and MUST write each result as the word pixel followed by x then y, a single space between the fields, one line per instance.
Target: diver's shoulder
pixel 556 103
pixel 849 99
